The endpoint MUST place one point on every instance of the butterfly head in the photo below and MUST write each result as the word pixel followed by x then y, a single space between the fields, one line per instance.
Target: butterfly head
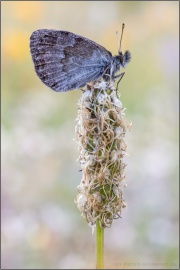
pixel 125 58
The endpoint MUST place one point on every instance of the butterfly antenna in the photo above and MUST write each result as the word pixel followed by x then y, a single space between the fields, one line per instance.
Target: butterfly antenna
pixel 117 39
pixel 123 25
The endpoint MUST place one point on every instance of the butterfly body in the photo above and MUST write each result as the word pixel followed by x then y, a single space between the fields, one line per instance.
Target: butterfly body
pixel 65 61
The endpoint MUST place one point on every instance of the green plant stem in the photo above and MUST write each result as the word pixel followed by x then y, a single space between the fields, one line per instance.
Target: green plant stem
pixel 99 246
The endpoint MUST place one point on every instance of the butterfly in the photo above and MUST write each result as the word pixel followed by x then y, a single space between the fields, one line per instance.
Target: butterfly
pixel 65 61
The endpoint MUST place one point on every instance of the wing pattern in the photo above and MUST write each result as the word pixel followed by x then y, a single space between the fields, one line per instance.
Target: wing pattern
pixel 65 61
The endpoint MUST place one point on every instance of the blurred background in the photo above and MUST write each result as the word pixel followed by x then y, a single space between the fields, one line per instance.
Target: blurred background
pixel 41 225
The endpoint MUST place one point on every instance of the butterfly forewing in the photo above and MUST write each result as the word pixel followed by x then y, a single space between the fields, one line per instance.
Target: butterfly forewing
pixel 65 61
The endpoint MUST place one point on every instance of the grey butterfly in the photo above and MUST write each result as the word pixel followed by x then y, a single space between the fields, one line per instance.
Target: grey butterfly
pixel 65 61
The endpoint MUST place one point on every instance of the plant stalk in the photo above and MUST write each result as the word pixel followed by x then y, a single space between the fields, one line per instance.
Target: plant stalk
pixel 99 246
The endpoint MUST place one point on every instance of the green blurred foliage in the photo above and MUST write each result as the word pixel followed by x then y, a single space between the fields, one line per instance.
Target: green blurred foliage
pixel 41 226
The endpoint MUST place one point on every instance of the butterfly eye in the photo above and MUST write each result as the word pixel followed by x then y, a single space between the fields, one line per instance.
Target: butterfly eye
pixel 121 57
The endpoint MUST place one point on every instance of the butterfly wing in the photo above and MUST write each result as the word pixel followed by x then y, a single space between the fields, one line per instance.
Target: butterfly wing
pixel 65 61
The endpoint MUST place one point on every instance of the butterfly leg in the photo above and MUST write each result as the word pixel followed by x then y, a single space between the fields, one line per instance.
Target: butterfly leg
pixel 119 76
